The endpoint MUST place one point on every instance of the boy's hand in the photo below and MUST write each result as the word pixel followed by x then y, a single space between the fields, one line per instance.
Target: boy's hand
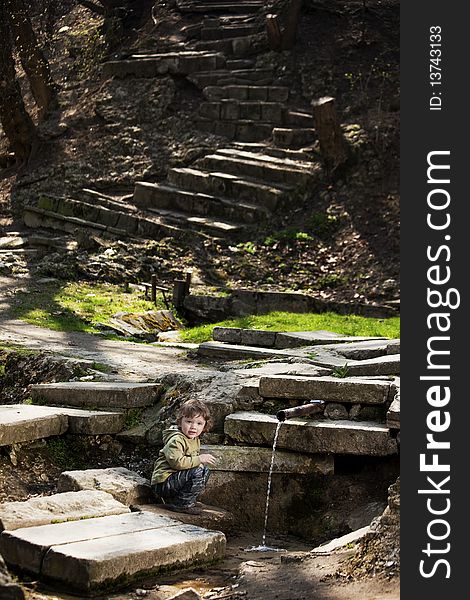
pixel 207 459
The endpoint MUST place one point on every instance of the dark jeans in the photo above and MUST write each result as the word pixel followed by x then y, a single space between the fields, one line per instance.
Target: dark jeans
pixel 183 487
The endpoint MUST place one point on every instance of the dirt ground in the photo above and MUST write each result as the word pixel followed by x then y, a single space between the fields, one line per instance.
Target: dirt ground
pixel 291 575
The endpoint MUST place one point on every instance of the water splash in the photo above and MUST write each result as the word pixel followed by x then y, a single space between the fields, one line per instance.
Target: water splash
pixel 263 547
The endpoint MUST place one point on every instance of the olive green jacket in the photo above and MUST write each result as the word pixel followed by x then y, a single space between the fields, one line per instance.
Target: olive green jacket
pixel 179 452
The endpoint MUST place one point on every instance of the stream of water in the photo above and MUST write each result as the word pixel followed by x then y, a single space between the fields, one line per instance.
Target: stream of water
pixel 263 547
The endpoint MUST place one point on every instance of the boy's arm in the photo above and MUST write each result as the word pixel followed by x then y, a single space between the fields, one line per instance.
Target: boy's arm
pixel 175 456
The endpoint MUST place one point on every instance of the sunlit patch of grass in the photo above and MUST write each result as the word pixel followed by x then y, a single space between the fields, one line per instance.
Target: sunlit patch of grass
pixel 284 321
pixel 77 306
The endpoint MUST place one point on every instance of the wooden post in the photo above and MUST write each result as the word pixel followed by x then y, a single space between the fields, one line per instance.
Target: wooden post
pixel 179 292
pixel 153 281
pixel 328 128
pixel 273 31
pixel 292 21
pixel 188 282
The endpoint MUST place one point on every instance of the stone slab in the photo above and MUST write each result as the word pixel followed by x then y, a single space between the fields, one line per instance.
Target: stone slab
pixel 67 506
pixel 26 547
pixel 25 423
pixel 316 437
pixel 283 368
pixel 92 422
pixel 233 352
pixel 97 394
pixel 361 350
pixel 382 365
pixel 110 552
pixel 332 389
pixel 393 414
pixel 211 517
pixel 247 459
pixel 342 541
pixel 293 339
pixel 124 485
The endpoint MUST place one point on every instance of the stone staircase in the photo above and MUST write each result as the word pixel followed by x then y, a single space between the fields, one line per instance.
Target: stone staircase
pixel 234 189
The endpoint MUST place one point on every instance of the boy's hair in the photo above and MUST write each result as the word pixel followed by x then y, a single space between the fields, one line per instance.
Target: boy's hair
pixel 192 408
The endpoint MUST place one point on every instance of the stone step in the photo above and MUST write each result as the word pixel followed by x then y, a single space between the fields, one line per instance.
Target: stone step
pixel 206 224
pixel 156 195
pixel 364 350
pixel 211 517
pixel 285 137
pixel 382 365
pixel 252 93
pixel 126 221
pixel 291 339
pixel 332 389
pixel 124 485
pixel 235 110
pixel 233 186
pixel 97 394
pixel 25 423
pixel 263 167
pixel 218 32
pixel 299 119
pixel 247 459
pixel 97 555
pixel 237 47
pixel 393 413
pixel 284 153
pixel 208 6
pixel 233 77
pixel 315 437
pixel 241 130
pixel 67 506
pixel 169 63
pixel 239 64
pixel 235 352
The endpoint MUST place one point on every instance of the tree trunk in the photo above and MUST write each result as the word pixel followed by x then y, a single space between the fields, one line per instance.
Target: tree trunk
pixel 32 58
pixel 328 128
pixel 16 122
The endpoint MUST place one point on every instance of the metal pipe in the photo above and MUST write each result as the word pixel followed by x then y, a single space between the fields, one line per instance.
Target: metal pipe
pixel 314 406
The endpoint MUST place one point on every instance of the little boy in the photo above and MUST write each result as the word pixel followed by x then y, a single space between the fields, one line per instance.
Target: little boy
pixel 181 473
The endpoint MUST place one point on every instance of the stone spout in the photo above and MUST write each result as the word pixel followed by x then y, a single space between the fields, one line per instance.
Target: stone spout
pixel 314 406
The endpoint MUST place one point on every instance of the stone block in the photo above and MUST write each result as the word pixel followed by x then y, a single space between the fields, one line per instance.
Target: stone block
pixel 67 506
pixel 250 111
pixel 259 93
pixel 393 414
pixel 382 365
pixel 315 437
pixel 210 110
pixel 336 411
pixel 97 422
pixel 272 112
pixel 332 389
pixel 258 337
pixel 230 335
pixel 246 459
pixel 233 352
pixel 277 94
pixel 124 485
pixel 230 110
pixel 211 517
pixel 97 394
pixel 342 541
pixel 25 423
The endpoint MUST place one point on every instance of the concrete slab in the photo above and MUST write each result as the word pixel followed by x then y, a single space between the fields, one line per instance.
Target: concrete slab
pixel 96 394
pixel 124 485
pixel 68 506
pixel 332 389
pixel 316 437
pixel 247 459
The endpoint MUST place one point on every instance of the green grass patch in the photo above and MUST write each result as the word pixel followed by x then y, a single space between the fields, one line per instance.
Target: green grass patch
pixel 77 306
pixel 284 321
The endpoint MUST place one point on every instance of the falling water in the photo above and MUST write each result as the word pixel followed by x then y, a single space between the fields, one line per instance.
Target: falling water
pixel 263 547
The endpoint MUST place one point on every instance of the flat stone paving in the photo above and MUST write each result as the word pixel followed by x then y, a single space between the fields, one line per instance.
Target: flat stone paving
pixel 108 552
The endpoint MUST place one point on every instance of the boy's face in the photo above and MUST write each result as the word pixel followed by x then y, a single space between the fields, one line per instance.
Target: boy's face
pixel 192 427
